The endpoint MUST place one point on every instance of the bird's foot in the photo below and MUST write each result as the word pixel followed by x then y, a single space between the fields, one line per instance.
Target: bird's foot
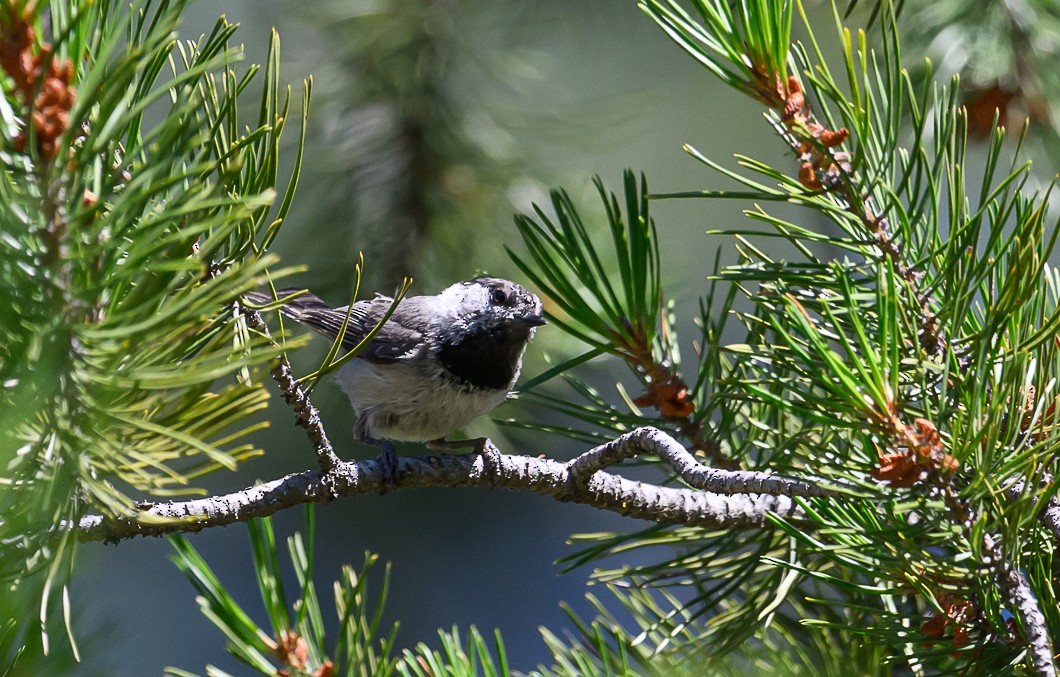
pixel 389 463
pixel 387 460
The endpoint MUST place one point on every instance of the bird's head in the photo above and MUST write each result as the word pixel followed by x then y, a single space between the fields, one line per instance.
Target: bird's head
pixel 493 304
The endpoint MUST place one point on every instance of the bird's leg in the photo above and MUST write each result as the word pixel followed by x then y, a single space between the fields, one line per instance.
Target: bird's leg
pixel 387 459
pixel 478 444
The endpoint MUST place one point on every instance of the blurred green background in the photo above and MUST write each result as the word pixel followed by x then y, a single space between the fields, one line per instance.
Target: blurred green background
pixel 432 123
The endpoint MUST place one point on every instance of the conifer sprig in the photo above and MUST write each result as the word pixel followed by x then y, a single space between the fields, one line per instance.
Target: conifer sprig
pixel 906 354
pixel 136 209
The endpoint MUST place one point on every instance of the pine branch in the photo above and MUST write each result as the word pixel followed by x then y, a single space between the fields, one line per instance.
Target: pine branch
pixel 697 475
pixel 564 481
pixel 306 415
pixel 1050 514
pixel 1050 517
pixel 1018 594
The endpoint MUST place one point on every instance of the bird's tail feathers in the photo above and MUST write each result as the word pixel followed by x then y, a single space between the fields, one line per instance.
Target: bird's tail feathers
pixel 311 311
pixel 295 308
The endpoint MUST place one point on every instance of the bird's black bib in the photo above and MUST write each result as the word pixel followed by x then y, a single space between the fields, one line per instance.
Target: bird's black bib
pixel 485 359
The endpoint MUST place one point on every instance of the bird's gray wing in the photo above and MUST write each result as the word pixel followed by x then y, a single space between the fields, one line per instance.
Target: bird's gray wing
pixel 400 336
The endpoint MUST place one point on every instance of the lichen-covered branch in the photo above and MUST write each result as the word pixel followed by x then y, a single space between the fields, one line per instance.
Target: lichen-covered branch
pixel 574 482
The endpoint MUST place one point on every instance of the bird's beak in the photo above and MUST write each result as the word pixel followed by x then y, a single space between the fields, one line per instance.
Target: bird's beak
pixel 531 320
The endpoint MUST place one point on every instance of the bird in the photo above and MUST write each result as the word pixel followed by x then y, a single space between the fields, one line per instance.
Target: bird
pixel 437 363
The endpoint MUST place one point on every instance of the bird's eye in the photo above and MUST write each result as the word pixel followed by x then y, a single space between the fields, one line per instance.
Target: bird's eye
pixel 498 296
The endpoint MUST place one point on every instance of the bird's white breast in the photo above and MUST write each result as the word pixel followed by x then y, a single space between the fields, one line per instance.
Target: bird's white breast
pixel 403 401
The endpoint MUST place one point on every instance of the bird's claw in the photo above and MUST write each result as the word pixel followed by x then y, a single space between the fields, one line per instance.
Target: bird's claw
pixel 387 460
pixel 388 464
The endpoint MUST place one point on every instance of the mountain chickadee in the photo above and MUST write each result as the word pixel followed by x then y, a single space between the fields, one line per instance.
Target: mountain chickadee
pixel 438 363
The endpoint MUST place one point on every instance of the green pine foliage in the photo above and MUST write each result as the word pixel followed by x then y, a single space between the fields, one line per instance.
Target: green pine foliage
pixel 296 644
pixel 130 228
pixel 905 354
pixel 296 638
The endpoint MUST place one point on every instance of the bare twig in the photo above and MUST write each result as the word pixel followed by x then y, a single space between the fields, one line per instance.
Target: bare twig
pixel 541 475
pixel 1018 594
pixel 695 474
pixel 306 415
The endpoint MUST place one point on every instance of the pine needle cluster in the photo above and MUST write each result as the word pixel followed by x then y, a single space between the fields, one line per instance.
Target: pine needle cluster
pixel 896 371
